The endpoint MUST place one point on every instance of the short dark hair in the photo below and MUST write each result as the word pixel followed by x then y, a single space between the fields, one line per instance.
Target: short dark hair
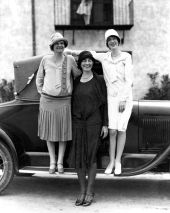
pixel 118 39
pixel 83 55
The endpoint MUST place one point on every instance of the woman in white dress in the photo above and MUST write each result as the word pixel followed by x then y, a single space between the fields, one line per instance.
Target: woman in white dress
pixel 117 70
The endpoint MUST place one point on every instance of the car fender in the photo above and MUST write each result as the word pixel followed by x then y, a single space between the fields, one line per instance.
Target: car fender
pixel 149 165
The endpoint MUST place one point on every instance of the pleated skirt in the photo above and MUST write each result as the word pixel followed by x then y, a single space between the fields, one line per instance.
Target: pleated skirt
pixel 54 121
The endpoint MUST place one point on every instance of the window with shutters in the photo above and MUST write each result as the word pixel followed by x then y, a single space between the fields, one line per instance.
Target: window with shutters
pixel 93 14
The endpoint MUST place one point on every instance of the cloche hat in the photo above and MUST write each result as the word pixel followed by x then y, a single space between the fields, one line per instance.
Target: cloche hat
pixel 111 32
pixel 55 37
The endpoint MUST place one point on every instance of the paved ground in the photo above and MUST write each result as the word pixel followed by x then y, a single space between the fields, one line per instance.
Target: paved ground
pixel 46 193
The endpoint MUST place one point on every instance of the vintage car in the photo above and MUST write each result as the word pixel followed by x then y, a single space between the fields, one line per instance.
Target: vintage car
pixel 21 150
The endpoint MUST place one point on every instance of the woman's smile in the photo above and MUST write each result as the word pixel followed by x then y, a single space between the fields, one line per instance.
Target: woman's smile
pixel 87 64
pixel 113 42
pixel 59 46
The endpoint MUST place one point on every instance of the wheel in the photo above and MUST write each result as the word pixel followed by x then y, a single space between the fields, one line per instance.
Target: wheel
pixel 6 167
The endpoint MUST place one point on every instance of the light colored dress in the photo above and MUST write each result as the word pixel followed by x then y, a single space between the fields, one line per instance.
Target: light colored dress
pixel 118 76
pixel 54 83
pixel 85 7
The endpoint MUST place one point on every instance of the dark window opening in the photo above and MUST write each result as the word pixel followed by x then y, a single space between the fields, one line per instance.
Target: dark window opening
pixel 97 12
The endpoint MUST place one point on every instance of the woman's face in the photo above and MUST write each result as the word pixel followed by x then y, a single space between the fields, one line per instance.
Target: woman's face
pixel 112 42
pixel 86 64
pixel 59 47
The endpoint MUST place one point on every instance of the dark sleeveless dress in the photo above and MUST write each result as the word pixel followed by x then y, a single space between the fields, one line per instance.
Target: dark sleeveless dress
pixel 89 114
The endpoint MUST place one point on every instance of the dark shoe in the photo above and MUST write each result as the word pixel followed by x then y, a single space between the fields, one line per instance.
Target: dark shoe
pixel 52 168
pixel 88 199
pixel 60 168
pixel 80 200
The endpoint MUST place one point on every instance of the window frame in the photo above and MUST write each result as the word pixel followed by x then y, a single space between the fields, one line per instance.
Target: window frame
pixel 72 26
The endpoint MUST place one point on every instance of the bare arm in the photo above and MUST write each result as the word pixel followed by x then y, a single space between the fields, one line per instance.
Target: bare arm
pixel 75 71
pixel 40 77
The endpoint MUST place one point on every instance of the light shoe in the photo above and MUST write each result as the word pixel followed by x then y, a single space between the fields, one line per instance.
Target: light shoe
pixel 118 169
pixel 108 170
pixel 52 168
pixel 60 168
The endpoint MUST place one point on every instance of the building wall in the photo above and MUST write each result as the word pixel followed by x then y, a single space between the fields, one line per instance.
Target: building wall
pixel 148 39
pixel 15 34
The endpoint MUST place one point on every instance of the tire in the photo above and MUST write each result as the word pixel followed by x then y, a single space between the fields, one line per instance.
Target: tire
pixel 6 167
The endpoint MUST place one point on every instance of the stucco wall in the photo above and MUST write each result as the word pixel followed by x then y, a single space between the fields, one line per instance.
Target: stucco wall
pixel 148 39
pixel 15 34
pixel 44 18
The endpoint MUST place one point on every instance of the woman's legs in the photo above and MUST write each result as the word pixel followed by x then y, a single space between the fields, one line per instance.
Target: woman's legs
pixel 90 186
pixel 121 138
pixel 86 195
pixel 91 179
pixel 61 152
pixel 112 147
pixel 81 173
pixel 51 150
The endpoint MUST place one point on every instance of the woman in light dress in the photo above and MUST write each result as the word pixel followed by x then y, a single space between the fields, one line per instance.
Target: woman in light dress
pixel 117 70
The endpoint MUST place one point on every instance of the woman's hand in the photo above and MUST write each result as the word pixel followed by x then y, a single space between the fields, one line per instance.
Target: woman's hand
pixel 122 106
pixel 104 132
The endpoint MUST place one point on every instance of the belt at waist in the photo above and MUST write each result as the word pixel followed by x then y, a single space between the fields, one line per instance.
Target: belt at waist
pixel 52 96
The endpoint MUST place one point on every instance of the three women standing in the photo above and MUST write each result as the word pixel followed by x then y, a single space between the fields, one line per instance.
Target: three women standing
pixel 90 114
pixel 54 83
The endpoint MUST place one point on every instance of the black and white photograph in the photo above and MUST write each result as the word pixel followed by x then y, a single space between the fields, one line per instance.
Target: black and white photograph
pixel 85 106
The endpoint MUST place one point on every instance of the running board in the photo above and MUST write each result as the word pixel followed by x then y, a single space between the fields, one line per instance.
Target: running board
pixel 44 169
pixel 154 161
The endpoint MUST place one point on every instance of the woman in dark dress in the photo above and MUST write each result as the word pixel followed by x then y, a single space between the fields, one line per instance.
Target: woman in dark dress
pixel 89 121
